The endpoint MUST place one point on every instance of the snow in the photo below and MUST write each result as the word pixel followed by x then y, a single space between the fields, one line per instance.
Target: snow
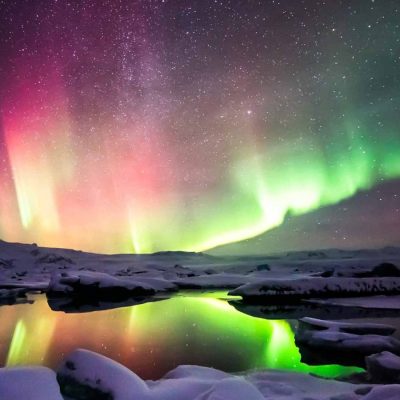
pixel 99 372
pixel 215 281
pixel 28 383
pixel 31 266
pixel 79 281
pixel 232 389
pixel 67 274
pixel 377 302
pixel 387 392
pixel 364 344
pixel 315 287
pixel 347 327
pixel 335 340
pixel 197 383
pixel 84 369
pixel 278 385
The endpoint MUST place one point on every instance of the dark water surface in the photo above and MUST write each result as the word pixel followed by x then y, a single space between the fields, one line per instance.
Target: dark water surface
pixel 153 338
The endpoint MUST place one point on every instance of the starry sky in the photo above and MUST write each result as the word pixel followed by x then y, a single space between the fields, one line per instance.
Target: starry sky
pixel 140 126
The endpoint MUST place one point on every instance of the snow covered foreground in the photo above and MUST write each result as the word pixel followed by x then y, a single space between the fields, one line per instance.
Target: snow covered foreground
pixel 87 375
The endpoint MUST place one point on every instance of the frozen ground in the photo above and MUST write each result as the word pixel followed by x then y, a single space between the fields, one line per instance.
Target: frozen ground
pixel 31 267
pixel 302 277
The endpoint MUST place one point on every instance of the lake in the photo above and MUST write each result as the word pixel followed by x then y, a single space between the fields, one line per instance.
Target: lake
pixel 155 337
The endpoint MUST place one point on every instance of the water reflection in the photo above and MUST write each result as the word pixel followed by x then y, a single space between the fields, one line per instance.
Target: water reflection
pixel 153 338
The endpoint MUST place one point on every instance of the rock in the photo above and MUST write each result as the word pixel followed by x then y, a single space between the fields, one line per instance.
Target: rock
pixel 51 258
pixel 384 367
pixel 382 270
pixel 13 296
pixel 263 267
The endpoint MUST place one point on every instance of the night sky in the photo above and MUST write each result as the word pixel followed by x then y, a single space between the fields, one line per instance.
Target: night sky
pixel 139 126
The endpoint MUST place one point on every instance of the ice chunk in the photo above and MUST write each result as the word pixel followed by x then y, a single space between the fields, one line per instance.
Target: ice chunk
pixel 317 287
pixel 102 284
pixel 28 383
pixel 99 373
pixel 232 389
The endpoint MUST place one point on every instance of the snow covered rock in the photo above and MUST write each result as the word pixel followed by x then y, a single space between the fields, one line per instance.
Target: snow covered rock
pixel 370 303
pixel 196 371
pixel 28 383
pixel 385 392
pixel 84 372
pixel 72 304
pixel 316 287
pixel 232 389
pixel 98 284
pixel 214 281
pixel 284 385
pixel 308 323
pixel 345 343
pixel 87 375
pixel 384 367
pixel 383 269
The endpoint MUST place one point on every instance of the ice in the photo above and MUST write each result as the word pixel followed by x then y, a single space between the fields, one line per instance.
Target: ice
pixel 371 302
pixel 85 374
pixel 387 392
pixel 232 389
pixel 317 287
pixel 28 383
pixel 95 283
pixel 359 328
pixel 322 341
pixel 189 382
pixel 102 374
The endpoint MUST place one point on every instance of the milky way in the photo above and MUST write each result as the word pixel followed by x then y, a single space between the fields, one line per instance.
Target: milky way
pixel 138 126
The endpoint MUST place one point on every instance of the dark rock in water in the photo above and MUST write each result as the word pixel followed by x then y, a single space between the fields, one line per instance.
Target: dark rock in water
pixel 328 273
pixel 383 367
pixel 263 267
pixel 79 391
pixel 13 296
pixel 381 270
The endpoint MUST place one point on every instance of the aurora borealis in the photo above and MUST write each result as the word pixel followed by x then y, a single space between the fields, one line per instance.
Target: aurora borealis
pixel 138 126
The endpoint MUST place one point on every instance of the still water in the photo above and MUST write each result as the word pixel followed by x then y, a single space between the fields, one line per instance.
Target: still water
pixel 155 337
